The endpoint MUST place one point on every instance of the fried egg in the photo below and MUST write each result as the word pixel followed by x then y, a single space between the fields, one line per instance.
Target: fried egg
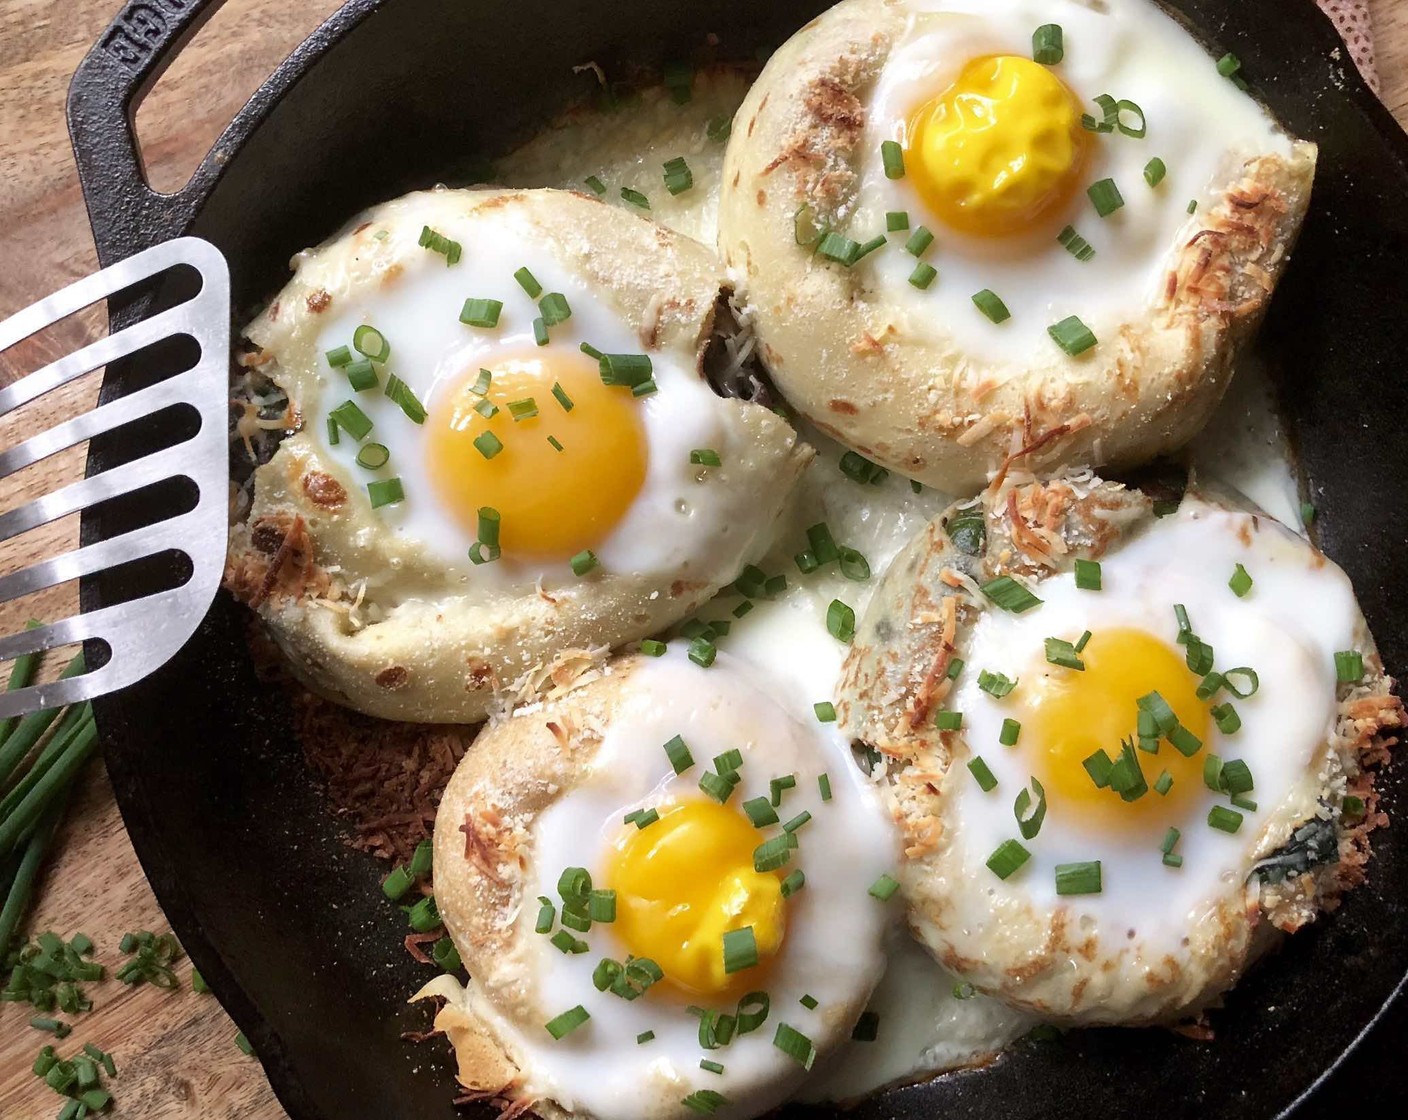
pixel 670 887
pixel 1127 749
pixel 506 447
pixel 953 248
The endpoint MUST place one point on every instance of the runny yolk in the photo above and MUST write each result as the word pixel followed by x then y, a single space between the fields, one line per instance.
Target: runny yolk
pixel 686 880
pixel 1067 715
pixel 551 503
pixel 1000 149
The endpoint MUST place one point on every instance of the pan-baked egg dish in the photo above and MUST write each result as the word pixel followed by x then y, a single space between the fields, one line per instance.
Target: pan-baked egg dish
pixel 669 886
pixel 1126 749
pixel 968 228
pixel 504 448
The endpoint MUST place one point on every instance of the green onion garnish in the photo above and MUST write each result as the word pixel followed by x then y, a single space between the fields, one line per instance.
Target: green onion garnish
pixel 339 357
pixel 642 818
pixel 896 220
pixel 825 711
pixel 778 786
pixel 1228 65
pixel 400 394
pixel 1307 514
pixel 439 243
pixel 919 241
pixel 884 888
pixel 796 880
pixel 574 884
pixel 485 550
pixel 719 127
pixel 1236 777
pixel 1157 707
pixel 371 343
pixel 540 331
pixel 597 186
pixel 644 1037
pixel 1078 878
pixel 704 457
pixel 955 667
pixel 797 822
pixel 702 652
pixel 760 812
pixel 1137 132
pixel 1008 594
pixel 982 774
pixel 360 375
pixel 625 369
pixel 482 382
pixel 704 1101
pixel 554 309
pixel 853 565
pixel 989 304
pixel 1253 682
pixel 678 177
pixel 653 647
pixel 892 156
pixel 583 562
pixel 373 456
pixel 561 395
pixel 1088 575
pixel 1109 115
pixel 556 445
pixel 601 904
pixel 567 1022
pixel 1098 766
pixel 1072 336
pixel 528 282
pixel 823 786
pixel 481 312
pixel 1009 856
pixel 740 950
pixel 334 437
pixel 1105 197
pixel 948 721
pixel 525 409
pixel 731 761
pixel 772 854
pixel 1048 45
pixel 923 275
pixel 710 1067
pixel 868 247
pixel 1228 721
pixel 839 248
pixel 547 915
pixel 809 1002
pixel 1193 206
pixel 1163 783
pixel 795 1044
pixel 1063 653
pixel 1241 582
pixel 676 750
pixel 840 621
pixel 1029 823
pixel 385 492
pixel 1349 666
pixel 1224 819
pixel 996 685
pixel 488 444
pixel 635 198
pixel 1184 741
pixel 1127 776
pixel 1154 171
pixel 1075 244
pixel 1010 730
pixel 1352 806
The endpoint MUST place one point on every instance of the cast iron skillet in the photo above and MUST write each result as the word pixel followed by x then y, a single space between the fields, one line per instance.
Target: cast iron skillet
pixel 288 924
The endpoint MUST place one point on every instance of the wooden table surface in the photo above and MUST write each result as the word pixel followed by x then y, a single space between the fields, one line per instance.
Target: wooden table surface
pixel 175 1050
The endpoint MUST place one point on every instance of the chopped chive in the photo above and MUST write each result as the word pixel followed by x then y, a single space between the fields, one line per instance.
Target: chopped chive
pixel 854 566
pixel 635 198
pixel 923 275
pixel 385 492
pixel 676 750
pixel 772 854
pixel 361 375
pixel 704 457
pixel 528 282
pixel 1072 336
pixel 1010 595
pixel 395 885
pixel 373 456
pixel 1236 777
pixel 760 812
pixel 1154 171
pixel 1243 802
pixel 840 621
pixel 1029 823
pixel 1228 65
pixel 1109 115
pixel 333 437
pixel 540 331
pixel 744 608
pixel 1193 206
pixel 625 369
pixel 702 652
pixel 825 711
pixel 1009 856
pixel 652 647
pixel 896 220
pixel 678 78
pixel 567 1022
pixel 797 822
pixel 1224 819
pixel 547 915
pixel 1307 514
pixel 892 156
pixel 719 127
pixel 556 445
pixel 371 343
pixel 795 1045
pixel 1048 45
pixel 1349 666
pixel 1010 730
pixel 809 1002
pixel 1212 772
pixel 1088 575
pixel 1075 244
pixel 1253 682
pixel 794 882
pixel 1083 641
pixel 1063 653
pixel 1163 783
pixel 554 309
pixel 823 786
pixel 710 1067
pixel 990 305
pixel 778 786
pixel 1134 131
pixel 868 247
pixel 919 241
pixel 642 818
pixel 488 444
pixel 839 248
pixel 486 408
pixel 339 357
pixel 436 243
pixel 583 562
pixel 644 1037
pixel 955 667
pixel 1184 741
pixel 823 545
pixel 525 409
pixel 740 950
pixel 1105 197
pixel 1352 807
pixel 704 1101
pixel 1078 878
pixel 995 685
pixel 948 721
pixel 566 943
pixel 677 176
pixel 482 382
pixel 481 312
pixel 1172 859
pixel 1158 707
pixel 597 187
pixel 884 888
pixel 1241 582
pixel 1228 721
pixel 982 774
pixel 730 762
pixel 601 904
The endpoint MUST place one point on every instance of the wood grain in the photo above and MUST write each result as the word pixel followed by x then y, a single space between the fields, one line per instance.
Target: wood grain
pixel 175 1050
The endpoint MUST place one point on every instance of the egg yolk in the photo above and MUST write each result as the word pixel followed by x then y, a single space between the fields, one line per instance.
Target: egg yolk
pixel 686 880
pixel 1070 714
pixel 551 502
pixel 999 149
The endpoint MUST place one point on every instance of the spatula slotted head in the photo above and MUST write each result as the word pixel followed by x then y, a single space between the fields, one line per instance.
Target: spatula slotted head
pixel 142 633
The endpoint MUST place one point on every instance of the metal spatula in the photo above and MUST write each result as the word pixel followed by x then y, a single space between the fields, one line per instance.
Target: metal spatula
pixel 142 633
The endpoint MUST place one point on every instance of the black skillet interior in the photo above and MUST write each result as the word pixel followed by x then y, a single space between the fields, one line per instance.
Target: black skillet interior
pixel 288 923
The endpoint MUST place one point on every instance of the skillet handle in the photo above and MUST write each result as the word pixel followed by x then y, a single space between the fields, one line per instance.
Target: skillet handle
pixel 126 214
